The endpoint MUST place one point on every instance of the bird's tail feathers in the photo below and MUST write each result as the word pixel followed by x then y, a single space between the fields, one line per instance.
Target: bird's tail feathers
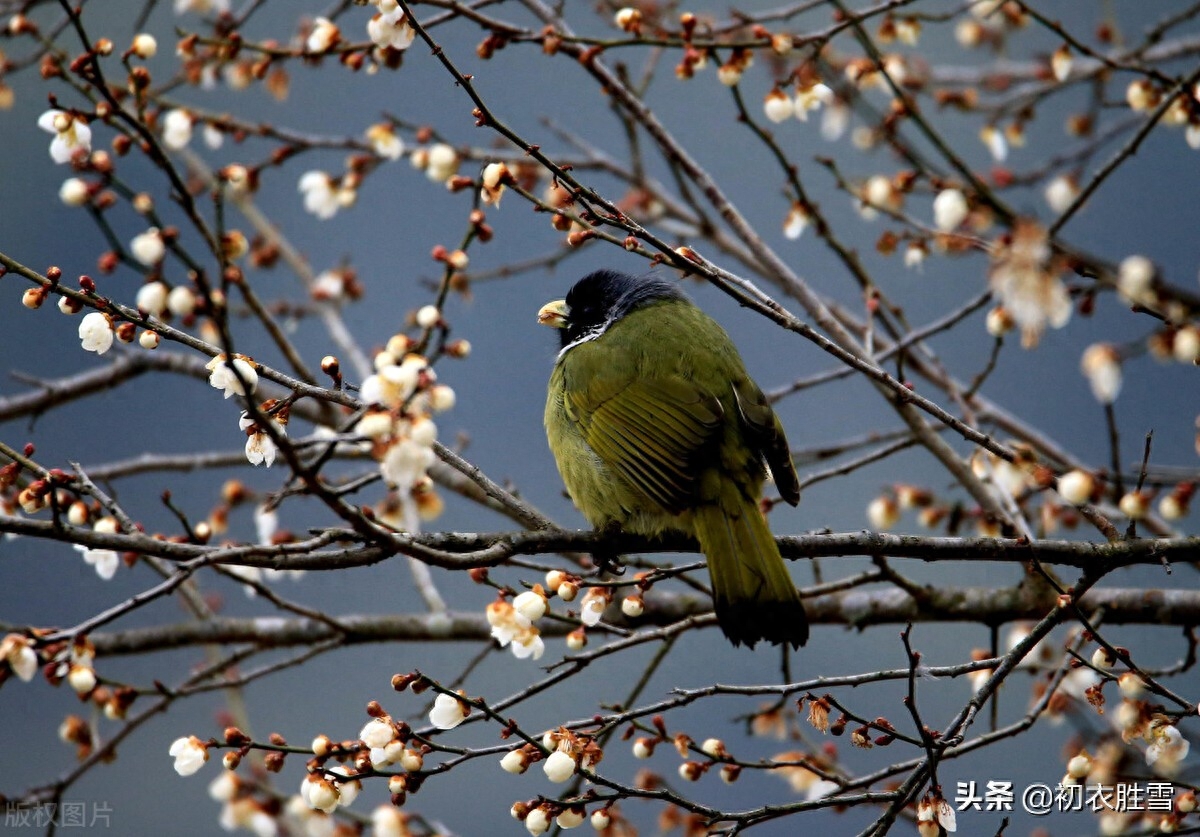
pixel 752 590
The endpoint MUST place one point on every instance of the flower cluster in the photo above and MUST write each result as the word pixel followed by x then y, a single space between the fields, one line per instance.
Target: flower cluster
pixel 563 752
pixel 402 396
pixel 1024 276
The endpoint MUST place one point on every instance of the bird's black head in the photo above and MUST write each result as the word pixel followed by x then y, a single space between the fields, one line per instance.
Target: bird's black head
pixel 605 296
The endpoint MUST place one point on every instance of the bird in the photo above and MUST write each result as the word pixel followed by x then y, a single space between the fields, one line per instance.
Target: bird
pixel 656 427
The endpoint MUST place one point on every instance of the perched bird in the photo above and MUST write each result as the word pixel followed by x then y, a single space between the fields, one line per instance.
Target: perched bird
pixel 656 427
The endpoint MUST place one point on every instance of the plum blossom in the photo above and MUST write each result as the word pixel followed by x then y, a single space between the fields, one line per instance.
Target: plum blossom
pixel 320 793
pixel 407 461
pixel 16 650
pixel 201 7
pixel 506 622
pixel 71 134
pixel 260 447
pixel 177 129
pixel 777 106
pixel 810 97
pixel 189 754
pixel 949 209
pixel 1167 747
pixel 152 299
pixel 385 142
pixel 323 195
pixel 105 561
pixel 595 600
pixel 377 733
pixel 148 247
pixel 441 162
pixel 1026 281
pixel 1101 365
pixel 74 191
pixel 559 766
pixel 96 333
pixel 181 301
pixel 221 375
pixel 796 222
pixel 448 711
pixel 528 644
pixel 391 30
pixel 324 35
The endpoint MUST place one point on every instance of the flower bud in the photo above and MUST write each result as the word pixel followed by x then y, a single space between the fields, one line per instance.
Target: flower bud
pixel 1076 487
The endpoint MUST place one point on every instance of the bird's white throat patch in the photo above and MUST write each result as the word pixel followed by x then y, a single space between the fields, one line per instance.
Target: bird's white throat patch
pixel 587 337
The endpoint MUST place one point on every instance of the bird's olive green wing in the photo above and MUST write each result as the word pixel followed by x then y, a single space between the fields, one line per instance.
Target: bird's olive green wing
pixel 765 431
pixel 652 432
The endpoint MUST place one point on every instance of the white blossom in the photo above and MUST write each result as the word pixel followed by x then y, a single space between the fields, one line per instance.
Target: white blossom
pixel 319 793
pixel 1076 487
pixel 221 376
pixel 811 97
pixel 528 644
pixel 506 623
pixel 1167 747
pixel 177 128
pixel 385 142
pixel 81 678
pixel 386 821
pixel 96 333
pixel 181 301
pixel 949 209
pixel 324 35
pixel 835 120
pixel 427 316
pixel 448 711
pixel 201 7
pixel 377 733
pixel 405 462
pixel 266 523
pixel 1135 280
pixel 559 766
pixel 148 247
pixel 1191 135
pixel 1061 192
pixel 1101 365
pixel 144 45
pixel 71 134
pixel 73 192
pixel 442 162
pixel 320 192
pixel 515 761
pixel 1027 283
pixel 593 605
pixel 152 299
pixel 391 30
pixel 777 106
pixel 1061 62
pixel 224 787
pixel 820 789
pixel 997 145
pixel 189 754
pixel 260 447
pixel 105 561
pixel 537 821
pixel 348 788
pixel 796 222
pixel 531 604
pixel 442 398
pixel 20 656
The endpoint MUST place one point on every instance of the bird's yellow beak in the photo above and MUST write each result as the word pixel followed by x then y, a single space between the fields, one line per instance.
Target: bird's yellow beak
pixel 554 314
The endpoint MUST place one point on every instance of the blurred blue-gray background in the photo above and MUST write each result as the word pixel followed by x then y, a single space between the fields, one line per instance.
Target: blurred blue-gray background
pixel 1147 207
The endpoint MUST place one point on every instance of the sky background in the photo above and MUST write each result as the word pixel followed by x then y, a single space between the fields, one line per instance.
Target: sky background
pixel 1147 207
